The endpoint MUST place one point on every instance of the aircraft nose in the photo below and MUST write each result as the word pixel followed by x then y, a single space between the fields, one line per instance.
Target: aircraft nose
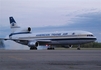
pixel 95 38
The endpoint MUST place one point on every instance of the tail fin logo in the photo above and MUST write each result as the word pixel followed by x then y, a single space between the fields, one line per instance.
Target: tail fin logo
pixel 13 23
pixel 11 20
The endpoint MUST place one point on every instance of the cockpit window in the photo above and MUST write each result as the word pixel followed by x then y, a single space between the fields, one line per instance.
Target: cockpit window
pixel 89 35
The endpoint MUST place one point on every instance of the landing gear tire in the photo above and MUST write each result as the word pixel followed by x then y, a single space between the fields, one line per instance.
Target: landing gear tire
pixel 50 48
pixel 33 48
pixel 78 48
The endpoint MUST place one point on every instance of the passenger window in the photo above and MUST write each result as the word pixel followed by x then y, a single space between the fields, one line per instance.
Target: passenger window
pixel 73 33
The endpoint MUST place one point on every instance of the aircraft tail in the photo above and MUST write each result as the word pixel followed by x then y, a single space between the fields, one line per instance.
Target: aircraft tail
pixel 13 24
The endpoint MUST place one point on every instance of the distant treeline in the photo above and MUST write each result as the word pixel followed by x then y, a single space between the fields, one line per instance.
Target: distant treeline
pixel 90 45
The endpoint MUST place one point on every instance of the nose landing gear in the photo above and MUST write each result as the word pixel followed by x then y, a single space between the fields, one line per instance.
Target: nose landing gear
pixel 78 48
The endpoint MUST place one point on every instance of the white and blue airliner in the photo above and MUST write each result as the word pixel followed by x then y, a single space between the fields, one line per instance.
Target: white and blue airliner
pixel 49 39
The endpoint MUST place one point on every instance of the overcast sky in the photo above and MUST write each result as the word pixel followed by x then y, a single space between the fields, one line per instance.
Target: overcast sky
pixel 40 13
pixel 53 14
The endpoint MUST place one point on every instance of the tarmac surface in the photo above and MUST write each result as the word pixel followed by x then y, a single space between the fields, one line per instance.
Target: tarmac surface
pixel 50 59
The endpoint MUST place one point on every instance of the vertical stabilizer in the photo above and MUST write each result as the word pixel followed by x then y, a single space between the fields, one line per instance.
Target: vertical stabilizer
pixel 13 24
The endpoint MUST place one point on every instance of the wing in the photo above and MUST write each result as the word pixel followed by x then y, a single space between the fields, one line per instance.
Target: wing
pixel 25 41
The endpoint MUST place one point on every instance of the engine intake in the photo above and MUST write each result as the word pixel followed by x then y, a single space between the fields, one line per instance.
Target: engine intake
pixel 28 29
pixel 33 44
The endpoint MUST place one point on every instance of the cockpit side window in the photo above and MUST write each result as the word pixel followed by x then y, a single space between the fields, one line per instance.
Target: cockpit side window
pixel 89 35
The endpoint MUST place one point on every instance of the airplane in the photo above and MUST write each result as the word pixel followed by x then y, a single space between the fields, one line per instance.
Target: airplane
pixel 25 36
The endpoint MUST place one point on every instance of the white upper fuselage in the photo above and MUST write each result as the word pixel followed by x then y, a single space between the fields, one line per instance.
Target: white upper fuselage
pixel 58 37
pixel 69 34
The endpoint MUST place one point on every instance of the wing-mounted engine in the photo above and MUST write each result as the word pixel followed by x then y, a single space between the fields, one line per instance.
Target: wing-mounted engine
pixel 33 44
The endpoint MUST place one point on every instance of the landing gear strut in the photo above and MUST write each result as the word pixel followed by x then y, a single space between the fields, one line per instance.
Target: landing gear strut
pixel 78 48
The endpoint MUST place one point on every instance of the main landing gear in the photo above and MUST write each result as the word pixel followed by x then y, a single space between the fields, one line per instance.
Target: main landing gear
pixel 50 48
pixel 33 48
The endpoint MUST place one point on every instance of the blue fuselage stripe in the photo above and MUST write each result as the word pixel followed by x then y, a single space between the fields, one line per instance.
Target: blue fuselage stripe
pixel 60 39
pixel 19 33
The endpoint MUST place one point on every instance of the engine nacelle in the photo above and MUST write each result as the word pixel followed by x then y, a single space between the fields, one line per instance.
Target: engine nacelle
pixel 28 29
pixel 25 29
pixel 33 44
